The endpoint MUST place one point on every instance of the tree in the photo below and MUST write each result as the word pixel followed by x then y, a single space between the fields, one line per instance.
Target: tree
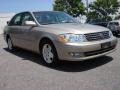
pixel 59 5
pixel 103 9
pixel 117 17
pixel 72 7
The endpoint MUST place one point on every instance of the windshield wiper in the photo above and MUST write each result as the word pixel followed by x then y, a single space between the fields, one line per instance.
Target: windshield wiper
pixel 48 23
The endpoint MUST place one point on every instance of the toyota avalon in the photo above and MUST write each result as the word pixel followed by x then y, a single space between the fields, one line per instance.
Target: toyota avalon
pixel 58 36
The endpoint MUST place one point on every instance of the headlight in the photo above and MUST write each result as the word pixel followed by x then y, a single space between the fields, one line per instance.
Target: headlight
pixel 110 34
pixel 72 38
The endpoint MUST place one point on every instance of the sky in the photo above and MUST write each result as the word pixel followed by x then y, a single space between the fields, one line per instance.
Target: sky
pixel 26 5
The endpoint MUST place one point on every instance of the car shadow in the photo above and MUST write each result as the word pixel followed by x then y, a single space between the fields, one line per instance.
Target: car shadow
pixel 65 66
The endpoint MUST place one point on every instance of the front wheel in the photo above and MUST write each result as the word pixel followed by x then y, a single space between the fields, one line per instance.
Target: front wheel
pixel 49 54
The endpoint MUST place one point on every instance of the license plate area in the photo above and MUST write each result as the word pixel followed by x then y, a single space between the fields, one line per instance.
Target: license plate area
pixel 105 45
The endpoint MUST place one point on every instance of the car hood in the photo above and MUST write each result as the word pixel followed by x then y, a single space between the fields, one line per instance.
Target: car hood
pixel 74 28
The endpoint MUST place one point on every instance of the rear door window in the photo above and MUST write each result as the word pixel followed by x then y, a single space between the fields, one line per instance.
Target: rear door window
pixel 16 21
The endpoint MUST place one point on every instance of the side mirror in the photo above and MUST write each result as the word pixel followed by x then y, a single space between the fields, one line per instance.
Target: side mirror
pixel 30 23
pixel 8 22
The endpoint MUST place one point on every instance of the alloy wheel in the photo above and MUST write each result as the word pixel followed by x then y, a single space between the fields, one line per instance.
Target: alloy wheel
pixel 47 53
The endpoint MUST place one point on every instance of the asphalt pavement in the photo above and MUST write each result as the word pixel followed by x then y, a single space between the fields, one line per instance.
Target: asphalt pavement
pixel 24 70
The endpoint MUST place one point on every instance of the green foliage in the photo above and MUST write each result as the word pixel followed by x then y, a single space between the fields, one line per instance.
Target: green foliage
pixel 117 17
pixel 103 9
pixel 72 7
pixel 59 5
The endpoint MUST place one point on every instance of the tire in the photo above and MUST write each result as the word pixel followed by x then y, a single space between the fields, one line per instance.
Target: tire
pixel 49 53
pixel 10 44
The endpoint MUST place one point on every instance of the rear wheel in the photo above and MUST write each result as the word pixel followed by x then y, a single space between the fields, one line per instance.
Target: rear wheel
pixel 10 44
pixel 49 54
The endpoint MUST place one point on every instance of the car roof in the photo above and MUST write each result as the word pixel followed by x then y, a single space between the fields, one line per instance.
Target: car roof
pixel 38 11
pixel 45 11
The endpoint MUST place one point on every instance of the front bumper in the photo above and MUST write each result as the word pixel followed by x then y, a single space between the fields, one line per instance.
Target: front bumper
pixel 84 51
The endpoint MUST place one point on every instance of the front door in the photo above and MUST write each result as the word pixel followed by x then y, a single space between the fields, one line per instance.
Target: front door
pixel 28 33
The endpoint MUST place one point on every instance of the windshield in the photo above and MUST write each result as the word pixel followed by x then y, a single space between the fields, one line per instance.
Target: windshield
pixel 53 18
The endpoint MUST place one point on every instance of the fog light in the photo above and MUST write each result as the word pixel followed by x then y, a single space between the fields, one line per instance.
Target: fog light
pixel 71 54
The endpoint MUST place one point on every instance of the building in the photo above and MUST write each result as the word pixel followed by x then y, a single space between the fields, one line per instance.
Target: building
pixel 4 17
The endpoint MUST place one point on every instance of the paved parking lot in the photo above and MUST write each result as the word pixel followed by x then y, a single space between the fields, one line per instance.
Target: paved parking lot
pixel 23 70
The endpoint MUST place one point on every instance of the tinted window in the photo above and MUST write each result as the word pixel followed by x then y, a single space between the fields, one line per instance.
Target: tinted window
pixel 16 20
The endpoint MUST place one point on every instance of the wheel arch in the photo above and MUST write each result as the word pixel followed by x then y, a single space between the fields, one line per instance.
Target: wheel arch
pixel 46 39
pixel 7 36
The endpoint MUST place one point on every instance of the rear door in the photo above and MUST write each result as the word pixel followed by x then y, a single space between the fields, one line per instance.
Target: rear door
pixel 14 29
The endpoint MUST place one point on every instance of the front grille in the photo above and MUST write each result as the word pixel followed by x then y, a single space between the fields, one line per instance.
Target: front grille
pixel 99 51
pixel 97 36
